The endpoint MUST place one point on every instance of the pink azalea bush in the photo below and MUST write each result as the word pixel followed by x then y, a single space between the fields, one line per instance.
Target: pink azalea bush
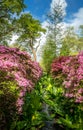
pixel 70 69
pixel 19 67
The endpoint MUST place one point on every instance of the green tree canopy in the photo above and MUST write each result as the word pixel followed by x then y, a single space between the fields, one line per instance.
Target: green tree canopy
pixel 29 30
pixel 8 9
pixel 72 43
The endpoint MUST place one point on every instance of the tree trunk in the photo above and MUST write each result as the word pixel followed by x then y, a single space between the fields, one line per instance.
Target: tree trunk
pixel 34 54
pixel 33 50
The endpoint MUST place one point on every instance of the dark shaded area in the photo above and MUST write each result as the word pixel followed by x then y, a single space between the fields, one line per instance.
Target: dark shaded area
pixel 7 110
pixel 50 126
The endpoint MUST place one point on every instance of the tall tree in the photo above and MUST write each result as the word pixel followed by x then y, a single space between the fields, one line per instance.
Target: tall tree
pixel 29 30
pixel 51 48
pixel 56 17
pixel 48 53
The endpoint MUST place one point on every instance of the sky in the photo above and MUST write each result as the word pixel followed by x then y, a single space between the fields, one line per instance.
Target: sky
pixel 73 10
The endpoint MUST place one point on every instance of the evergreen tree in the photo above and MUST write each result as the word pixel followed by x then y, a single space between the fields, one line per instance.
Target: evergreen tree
pixel 48 53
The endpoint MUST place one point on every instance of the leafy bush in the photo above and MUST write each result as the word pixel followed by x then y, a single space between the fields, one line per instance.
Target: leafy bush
pixel 18 75
pixel 68 74
pixel 19 67
pixel 36 107
pixel 56 99
pixel 32 116
pixel 71 71
pixel 8 97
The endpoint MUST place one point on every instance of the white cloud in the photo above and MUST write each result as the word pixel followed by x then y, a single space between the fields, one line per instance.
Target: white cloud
pixel 77 19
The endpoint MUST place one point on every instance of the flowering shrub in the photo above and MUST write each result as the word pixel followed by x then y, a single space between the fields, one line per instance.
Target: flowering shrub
pixel 17 65
pixel 57 66
pixel 71 71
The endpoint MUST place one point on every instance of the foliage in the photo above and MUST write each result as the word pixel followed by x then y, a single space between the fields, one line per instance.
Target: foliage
pixel 72 42
pixel 55 26
pixel 67 71
pixel 7 10
pixel 71 70
pixel 57 109
pixel 7 7
pixel 32 116
pixel 8 97
pixel 48 54
pixel 81 31
pixel 34 108
pixel 29 30
pixel 18 67
pixel 47 107
pixel 57 99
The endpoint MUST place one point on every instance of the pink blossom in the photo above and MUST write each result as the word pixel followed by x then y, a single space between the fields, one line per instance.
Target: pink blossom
pixel 69 95
pixel 71 72
pixel 80 90
pixel 20 68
